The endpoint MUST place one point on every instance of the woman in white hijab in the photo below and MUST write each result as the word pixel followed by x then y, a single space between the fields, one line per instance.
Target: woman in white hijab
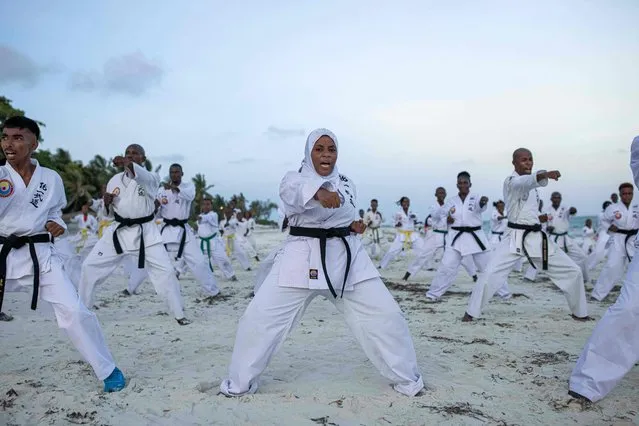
pixel 322 256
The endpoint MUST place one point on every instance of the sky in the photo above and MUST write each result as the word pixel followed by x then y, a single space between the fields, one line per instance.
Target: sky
pixel 415 91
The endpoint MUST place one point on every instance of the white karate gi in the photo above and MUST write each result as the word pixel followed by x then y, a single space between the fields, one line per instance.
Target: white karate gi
pixel 588 243
pixel 622 248
pixel 86 236
pixel 251 233
pixel 211 244
pixel 228 230
pixel 613 349
pixel 297 277
pixel 466 213
pixel 603 244
pixel 407 236
pixel 522 204
pixel 242 233
pixel 559 218
pixel 177 205
pixel 372 237
pixel 134 198
pixel 497 227
pixel 25 210
pixel 434 239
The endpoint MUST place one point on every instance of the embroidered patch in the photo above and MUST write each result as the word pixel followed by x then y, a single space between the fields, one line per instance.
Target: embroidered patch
pixel 312 274
pixel 6 188
pixel 618 215
pixel 164 200
pixel 452 210
pixel 116 191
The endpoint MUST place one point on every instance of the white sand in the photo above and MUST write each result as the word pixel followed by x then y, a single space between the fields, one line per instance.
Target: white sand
pixel 511 367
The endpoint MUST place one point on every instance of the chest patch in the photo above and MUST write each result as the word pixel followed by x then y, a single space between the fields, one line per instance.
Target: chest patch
pixel 6 188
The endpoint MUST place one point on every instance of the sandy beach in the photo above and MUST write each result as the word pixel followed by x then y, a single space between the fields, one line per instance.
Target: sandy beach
pixel 509 367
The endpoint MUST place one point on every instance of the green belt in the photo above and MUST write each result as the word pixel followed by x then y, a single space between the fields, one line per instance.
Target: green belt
pixel 205 242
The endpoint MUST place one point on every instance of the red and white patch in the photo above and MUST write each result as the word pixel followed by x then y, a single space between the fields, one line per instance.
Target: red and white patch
pixel 617 215
pixel 164 200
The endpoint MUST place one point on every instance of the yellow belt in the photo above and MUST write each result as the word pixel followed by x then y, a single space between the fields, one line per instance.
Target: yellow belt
pixel 103 224
pixel 407 240
pixel 83 240
pixel 229 244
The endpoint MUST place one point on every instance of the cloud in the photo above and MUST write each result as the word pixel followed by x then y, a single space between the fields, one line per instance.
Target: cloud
pixel 131 74
pixel 278 133
pixel 242 161
pixel 168 157
pixel 16 67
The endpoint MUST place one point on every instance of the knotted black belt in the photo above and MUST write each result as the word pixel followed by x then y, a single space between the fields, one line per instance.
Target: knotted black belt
pixel 497 233
pixel 179 223
pixel 560 234
pixel 544 242
pixel 124 222
pixel 628 233
pixel 14 242
pixel 323 235
pixel 468 230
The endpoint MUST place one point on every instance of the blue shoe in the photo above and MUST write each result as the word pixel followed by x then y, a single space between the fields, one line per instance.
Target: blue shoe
pixel 115 382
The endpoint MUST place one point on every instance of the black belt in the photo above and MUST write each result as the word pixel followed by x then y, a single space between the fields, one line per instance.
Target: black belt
pixel 179 223
pixel 375 232
pixel 323 235
pixel 123 222
pixel 497 233
pixel 470 230
pixel 560 234
pixel 14 242
pixel 544 242
pixel 628 233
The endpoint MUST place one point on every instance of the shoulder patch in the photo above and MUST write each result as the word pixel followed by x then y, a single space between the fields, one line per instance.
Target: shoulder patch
pixel 6 188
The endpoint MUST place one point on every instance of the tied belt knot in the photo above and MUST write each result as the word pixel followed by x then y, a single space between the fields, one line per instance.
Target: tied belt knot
pixel 180 224
pixel 628 233
pixel 126 222
pixel 323 235
pixel 14 242
pixel 560 234
pixel 501 234
pixel 468 230
pixel 544 242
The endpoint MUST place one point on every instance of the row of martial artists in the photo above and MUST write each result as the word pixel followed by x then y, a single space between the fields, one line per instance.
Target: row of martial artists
pixel 459 216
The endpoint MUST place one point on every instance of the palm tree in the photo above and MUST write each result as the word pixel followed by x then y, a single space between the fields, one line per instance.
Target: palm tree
pixel 77 189
pixel 201 191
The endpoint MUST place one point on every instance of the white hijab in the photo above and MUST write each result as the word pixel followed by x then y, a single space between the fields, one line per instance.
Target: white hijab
pixel 308 170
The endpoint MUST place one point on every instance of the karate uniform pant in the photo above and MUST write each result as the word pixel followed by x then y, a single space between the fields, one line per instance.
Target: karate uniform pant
pixel 80 324
pixel 449 267
pixel 238 253
pixel 562 270
pixel 613 348
pixel 425 251
pixel 218 257
pixel 246 246
pixel 374 249
pixel 103 260
pixel 192 258
pixel 395 250
pixel 369 310
pixel 574 252
pixel 611 273
pixel 600 250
